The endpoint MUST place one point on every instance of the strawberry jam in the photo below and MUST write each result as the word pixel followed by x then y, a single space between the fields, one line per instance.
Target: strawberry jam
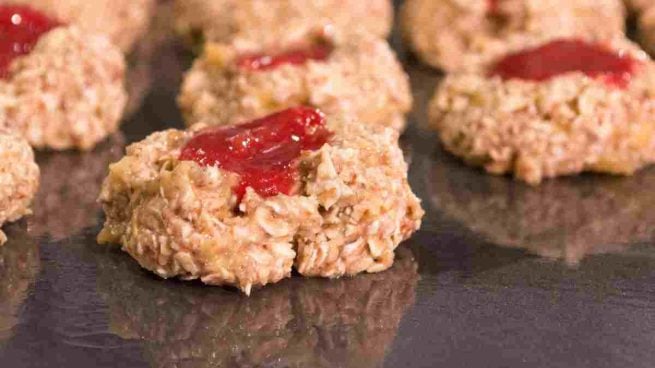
pixel 565 56
pixel 20 29
pixel 263 152
pixel 298 56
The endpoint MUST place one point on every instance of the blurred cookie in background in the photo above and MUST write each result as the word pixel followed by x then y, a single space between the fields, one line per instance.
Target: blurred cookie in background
pixel 19 179
pixel 558 108
pixel 252 25
pixel 456 35
pixel 123 21
pixel 62 86
pixel 358 76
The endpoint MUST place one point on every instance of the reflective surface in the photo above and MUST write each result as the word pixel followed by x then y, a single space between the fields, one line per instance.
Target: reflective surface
pixel 466 291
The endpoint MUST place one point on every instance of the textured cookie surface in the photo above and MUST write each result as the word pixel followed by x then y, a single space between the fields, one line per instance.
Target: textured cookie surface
pixel 123 21
pixel 68 92
pixel 19 178
pixel 360 77
pixel 259 24
pixel 351 209
pixel 560 126
pixel 461 34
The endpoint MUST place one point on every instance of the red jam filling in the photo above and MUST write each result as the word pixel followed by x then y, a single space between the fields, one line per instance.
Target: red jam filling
pixel 565 56
pixel 298 56
pixel 263 152
pixel 20 29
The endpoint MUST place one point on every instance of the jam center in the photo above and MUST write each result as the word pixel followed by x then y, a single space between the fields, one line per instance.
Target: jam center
pixel 565 56
pixel 20 29
pixel 263 152
pixel 297 56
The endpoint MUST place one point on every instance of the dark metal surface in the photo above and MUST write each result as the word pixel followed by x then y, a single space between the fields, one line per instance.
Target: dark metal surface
pixel 465 292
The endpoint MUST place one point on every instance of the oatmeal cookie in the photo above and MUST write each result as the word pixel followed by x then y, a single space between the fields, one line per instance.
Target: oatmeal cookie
pixel 123 21
pixel 19 178
pixel 241 205
pixel 564 107
pixel 359 76
pixel 65 88
pixel 456 35
pixel 251 25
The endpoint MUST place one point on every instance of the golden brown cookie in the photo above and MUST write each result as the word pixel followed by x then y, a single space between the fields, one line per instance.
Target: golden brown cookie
pixel 251 25
pixel 560 108
pixel 241 205
pixel 19 178
pixel 360 77
pixel 60 87
pixel 123 21
pixel 456 35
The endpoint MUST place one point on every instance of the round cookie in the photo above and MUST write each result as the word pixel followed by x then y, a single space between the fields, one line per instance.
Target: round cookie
pixel 358 76
pixel 19 178
pixel 456 35
pixel 350 322
pixel 249 25
pixel 561 108
pixel 67 91
pixel 241 205
pixel 123 21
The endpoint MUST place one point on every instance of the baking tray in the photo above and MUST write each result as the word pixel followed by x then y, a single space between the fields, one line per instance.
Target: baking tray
pixel 500 274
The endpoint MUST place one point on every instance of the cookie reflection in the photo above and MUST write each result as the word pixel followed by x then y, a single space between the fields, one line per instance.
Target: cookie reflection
pixel 300 322
pixel 566 218
pixel 141 62
pixel 67 199
pixel 19 267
